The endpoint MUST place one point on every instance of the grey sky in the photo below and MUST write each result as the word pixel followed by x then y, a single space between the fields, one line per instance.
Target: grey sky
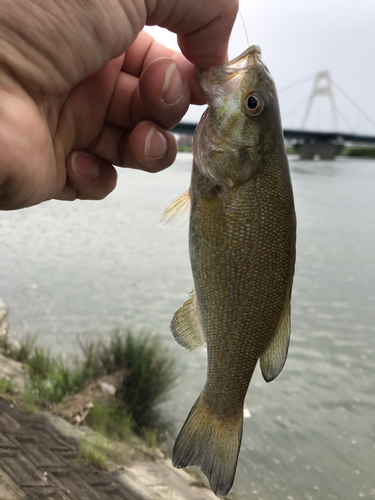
pixel 299 39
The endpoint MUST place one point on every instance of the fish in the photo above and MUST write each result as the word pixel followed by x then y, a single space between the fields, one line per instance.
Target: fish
pixel 242 238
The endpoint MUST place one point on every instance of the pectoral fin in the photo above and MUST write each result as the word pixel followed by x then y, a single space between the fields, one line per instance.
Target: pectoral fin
pixel 274 356
pixel 176 214
pixel 186 327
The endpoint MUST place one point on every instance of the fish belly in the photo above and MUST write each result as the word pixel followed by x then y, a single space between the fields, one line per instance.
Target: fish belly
pixel 241 249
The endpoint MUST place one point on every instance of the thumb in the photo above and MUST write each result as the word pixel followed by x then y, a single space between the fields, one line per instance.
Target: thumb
pixel 89 177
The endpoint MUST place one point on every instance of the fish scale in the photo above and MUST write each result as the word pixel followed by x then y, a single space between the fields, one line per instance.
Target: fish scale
pixel 242 252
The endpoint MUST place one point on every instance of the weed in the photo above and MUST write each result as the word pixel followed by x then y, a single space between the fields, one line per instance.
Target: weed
pixel 7 386
pixel 52 380
pixel 5 347
pixel 26 348
pixel 94 446
pixel 21 352
pixel 30 399
pixel 150 438
pixel 151 373
pixel 111 420
pixel 92 455
pixel 40 364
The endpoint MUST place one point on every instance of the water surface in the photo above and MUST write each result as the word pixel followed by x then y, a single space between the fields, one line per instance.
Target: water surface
pixel 78 268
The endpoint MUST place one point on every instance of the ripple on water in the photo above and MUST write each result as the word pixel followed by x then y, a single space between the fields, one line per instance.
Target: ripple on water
pixel 97 264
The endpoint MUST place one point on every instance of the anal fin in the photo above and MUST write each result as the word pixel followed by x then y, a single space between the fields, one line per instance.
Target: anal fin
pixel 186 326
pixel 274 356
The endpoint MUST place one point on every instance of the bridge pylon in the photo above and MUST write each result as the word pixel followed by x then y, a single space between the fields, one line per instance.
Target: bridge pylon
pixel 326 149
pixel 322 86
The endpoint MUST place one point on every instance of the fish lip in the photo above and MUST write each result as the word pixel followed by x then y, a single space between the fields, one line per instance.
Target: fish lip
pixel 215 75
pixel 253 49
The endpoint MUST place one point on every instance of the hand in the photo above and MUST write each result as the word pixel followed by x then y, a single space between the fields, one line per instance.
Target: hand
pixel 82 88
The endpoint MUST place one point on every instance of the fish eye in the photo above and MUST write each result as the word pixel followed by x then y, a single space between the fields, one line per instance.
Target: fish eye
pixel 253 103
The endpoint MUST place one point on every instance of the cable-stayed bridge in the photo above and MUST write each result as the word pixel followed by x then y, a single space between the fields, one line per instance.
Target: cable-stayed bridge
pixel 309 143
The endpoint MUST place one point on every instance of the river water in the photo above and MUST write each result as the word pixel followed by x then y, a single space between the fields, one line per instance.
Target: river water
pixel 78 268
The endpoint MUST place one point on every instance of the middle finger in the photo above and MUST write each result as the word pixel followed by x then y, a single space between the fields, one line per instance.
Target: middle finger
pixel 161 94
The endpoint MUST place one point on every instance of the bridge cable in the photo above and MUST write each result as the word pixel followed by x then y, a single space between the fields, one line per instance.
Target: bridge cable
pixel 355 104
pixel 295 84
pixel 345 120
pixel 292 110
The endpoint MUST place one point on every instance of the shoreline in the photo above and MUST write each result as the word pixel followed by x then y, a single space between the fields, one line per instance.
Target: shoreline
pixel 146 472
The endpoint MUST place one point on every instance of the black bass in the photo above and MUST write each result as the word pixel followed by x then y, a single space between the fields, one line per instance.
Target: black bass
pixel 242 249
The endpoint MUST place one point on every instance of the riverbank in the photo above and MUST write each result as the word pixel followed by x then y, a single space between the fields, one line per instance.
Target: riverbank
pixel 351 151
pixel 40 458
pixel 134 466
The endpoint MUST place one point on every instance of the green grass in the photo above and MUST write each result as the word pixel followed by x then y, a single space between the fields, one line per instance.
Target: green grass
pixel 30 399
pixel 359 151
pixel 150 438
pixel 52 379
pixel 93 455
pixel 21 353
pixel 151 373
pixel 185 149
pixel 7 386
pixel 41 364
pixel 111 419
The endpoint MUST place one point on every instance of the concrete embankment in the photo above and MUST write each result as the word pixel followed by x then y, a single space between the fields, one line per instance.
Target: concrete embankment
pixel 38 452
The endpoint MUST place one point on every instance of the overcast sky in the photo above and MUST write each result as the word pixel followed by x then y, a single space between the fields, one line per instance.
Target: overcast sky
pixel 299 39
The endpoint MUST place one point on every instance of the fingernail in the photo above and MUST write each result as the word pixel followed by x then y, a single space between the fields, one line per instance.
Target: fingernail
pixel 155 144
pixel 172 87
pixel 84 166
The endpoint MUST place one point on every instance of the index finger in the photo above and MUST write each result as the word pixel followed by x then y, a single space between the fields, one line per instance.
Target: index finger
pixel 203 27
pixel 145 50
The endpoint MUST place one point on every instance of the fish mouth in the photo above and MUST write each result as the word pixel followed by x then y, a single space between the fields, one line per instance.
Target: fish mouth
pixel 251 55
pixel 217 75
pixel 241 63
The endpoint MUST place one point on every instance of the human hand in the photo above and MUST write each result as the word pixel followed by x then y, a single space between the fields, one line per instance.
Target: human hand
pixel 82 88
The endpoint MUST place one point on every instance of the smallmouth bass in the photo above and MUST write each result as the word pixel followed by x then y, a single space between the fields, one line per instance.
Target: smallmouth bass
pixel 242 249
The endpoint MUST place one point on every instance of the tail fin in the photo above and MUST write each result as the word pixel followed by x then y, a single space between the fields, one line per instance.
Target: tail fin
pixel 211 442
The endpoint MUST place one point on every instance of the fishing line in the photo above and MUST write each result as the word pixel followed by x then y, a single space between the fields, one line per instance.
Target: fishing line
pixel 244 27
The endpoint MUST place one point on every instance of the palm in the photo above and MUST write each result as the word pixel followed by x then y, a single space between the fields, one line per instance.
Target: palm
pixel 67 114
pixel 47 128
pixel 99 116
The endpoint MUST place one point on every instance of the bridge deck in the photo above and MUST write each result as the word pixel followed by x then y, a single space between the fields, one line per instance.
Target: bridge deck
pixel 189 128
